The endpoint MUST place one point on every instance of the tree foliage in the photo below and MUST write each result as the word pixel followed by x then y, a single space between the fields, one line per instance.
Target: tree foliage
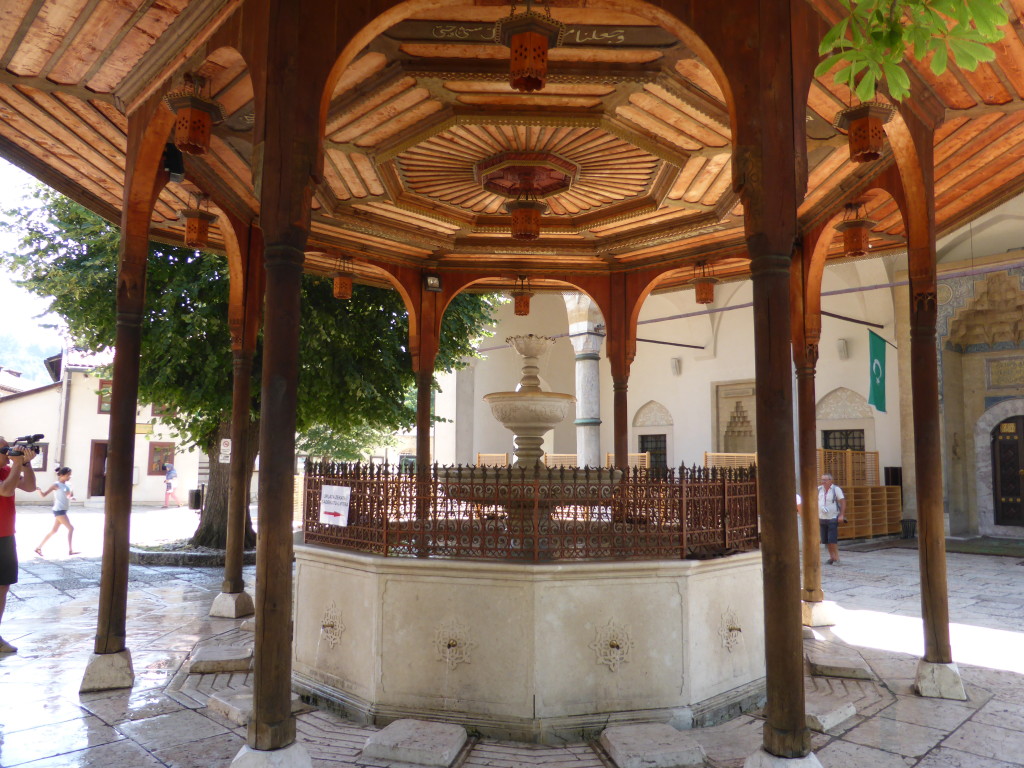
pixel 355 367
pixel 874 38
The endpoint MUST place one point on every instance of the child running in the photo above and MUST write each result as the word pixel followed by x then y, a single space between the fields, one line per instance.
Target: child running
pixel 62 495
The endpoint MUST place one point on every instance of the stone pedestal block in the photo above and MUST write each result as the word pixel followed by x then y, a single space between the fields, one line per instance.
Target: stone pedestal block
pixel 108 671
pixel 939 681
pixel 232 605
pixel 292 756
pixel 762 759
pixel 823 613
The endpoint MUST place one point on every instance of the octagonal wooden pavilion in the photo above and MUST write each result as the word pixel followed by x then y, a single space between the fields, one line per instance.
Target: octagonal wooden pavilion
pixel 667 135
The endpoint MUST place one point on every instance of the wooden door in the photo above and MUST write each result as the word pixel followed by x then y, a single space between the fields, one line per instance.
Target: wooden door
pixel 1008 471
pixel 98 468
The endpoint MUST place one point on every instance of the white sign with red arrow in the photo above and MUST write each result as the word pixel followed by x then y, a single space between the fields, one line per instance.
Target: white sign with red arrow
pixel 334 504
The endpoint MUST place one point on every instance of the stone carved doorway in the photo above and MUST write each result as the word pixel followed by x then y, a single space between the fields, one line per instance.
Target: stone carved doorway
pixel 984 475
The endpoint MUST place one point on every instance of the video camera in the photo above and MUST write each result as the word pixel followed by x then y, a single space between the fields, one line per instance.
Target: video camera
pixel 19 443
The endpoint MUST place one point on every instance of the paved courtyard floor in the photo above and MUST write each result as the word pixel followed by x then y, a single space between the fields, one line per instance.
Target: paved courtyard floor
pixel 164 719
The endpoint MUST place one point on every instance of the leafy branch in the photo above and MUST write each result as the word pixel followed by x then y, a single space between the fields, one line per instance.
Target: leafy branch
pixel 876 35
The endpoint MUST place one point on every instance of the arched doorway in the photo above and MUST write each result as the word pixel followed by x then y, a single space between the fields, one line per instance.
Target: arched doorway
pixel 984 475
pixel 1008 471
pixel 652 425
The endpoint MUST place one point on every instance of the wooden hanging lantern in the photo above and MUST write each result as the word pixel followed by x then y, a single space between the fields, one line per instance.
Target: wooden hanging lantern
pixel 194 115
pixel 343 280
pixel 856 229
pixel 197 222
pixel 865 134
pixel 529 35
pixel 704 282
pixel 526 214
pixel 343 287
pixel 521 296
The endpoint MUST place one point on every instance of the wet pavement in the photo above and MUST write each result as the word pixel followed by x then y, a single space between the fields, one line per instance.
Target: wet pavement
pixel 164 719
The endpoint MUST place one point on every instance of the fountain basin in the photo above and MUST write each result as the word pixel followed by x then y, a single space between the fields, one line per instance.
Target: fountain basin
pixel 530 410
pixel 543 652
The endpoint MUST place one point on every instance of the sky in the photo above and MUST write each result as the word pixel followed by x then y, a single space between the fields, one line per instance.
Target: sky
pixel 24 338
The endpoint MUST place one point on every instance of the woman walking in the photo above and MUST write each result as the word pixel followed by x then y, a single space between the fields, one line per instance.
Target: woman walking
pixel 62 495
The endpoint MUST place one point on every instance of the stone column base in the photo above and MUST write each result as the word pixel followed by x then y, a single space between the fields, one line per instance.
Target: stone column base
pixel 108 671
pixel 939 681
pixel 292 756
pixel 819 614
pixel 762 759
pixel 232 605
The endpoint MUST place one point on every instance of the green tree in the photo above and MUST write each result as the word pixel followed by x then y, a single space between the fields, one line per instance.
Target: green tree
pixel 351 393
pixel 874 37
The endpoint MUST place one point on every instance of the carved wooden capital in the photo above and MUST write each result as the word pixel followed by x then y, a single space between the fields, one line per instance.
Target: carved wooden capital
pixel 924 302
pixel 747 180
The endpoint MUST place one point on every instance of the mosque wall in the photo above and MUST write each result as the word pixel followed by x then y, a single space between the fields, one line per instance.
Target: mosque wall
pixel 706 356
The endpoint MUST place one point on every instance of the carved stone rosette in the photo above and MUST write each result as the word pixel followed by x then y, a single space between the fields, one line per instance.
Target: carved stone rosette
pixel 453 643
pixel 612 645
pixel 331 625
pixel 730 631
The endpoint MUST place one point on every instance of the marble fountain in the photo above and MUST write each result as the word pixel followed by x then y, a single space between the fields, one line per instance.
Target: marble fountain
pixel 528 491
pixel 539 649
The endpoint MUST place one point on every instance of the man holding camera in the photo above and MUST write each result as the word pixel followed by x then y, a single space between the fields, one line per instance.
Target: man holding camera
pixel 15 473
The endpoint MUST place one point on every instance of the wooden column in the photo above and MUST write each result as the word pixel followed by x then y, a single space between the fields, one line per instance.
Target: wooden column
pixel 290 60
pixel 913 187
pixel 242 350
pixel 620 420
pixel 931 534
pixel 621 343
pixel 785 729
pixel 144 179
pixel 272 725
pixel 807 425
pixel 805 282
pixel 767 171
pixel 425 332
pixel 131 290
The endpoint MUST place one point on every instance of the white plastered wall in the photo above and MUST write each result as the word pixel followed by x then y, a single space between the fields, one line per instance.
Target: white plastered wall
pixel 723 333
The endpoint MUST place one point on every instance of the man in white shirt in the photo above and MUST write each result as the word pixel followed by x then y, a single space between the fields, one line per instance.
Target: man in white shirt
pixel 831 512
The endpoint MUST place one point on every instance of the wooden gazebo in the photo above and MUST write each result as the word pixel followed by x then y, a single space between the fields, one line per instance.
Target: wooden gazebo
pixel 668 139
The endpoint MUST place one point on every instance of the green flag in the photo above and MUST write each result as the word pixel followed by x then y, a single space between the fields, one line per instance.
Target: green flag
pixel 876 390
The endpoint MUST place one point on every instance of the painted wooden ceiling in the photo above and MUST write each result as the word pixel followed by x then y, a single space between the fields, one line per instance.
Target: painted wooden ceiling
pixel 635 112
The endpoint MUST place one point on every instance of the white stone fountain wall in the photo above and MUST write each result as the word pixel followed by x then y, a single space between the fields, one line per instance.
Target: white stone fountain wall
pixel 535 652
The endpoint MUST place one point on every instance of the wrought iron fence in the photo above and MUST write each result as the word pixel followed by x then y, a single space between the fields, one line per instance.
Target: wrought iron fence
pixel 507 513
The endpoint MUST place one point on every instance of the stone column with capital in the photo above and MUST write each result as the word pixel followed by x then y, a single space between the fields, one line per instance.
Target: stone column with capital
pixel 586 332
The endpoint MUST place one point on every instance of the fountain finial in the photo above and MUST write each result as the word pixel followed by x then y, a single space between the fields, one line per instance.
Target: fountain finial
pixel 530 347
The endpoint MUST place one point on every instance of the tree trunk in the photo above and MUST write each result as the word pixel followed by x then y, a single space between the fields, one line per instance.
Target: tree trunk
pixel 212 531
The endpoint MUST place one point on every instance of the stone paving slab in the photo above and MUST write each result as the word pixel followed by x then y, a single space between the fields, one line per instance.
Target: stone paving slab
pixel 213 658
pixel 988 741
pixel 652 745
pixel 897 737
pixel 237 707
pixel 951 758
pixel 417 741
pixel 830 659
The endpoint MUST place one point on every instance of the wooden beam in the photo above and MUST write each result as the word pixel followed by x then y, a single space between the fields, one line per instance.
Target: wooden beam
pixel 48 86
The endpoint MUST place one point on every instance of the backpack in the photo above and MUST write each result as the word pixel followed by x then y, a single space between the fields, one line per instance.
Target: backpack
pixel 171 474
